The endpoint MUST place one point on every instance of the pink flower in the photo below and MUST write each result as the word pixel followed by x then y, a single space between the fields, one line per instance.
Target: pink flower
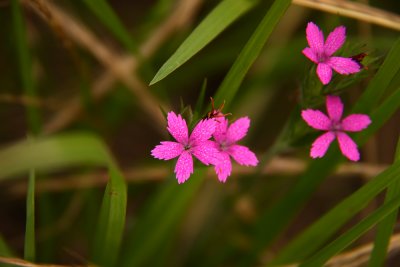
pixel 197 145
pixel 320 52
pixel 335 127
pixel 226 138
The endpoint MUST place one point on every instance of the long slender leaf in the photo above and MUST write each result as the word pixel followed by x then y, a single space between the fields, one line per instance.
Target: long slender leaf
pixel 29 250
pixel 25 65
pixel 106 14
pixel 48 154
pixel 4 248
pixel 250 52
pixel 5 251
pixel 350 236
pixel 160 221
pixel 111 220
pixel 381 80
pixel 276 219
pixel 71 150
pixel 385 228
pixel 216 22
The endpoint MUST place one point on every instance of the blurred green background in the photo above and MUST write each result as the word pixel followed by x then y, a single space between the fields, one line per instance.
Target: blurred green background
pixel 85 66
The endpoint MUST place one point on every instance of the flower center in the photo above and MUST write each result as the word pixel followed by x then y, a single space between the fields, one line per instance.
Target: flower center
pixel 224 146
pixel 336 126
pixel 322 57
pixel 188 147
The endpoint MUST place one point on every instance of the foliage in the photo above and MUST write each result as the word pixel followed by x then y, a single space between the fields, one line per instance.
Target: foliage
pixel 86 86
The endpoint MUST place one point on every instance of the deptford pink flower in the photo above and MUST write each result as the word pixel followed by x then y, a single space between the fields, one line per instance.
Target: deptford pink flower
pixel 197 144
pixel 226 138
pixel 335 127
pixel 320 52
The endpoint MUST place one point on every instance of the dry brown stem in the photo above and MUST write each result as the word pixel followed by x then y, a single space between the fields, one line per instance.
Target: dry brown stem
pixel 28 101
pixel 179 18
pixel 354 10
pixel 116 63
pixel 278 165
pixel 360 255
pixel 21 262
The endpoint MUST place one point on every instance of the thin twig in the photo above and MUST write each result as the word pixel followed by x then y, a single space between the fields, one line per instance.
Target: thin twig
pixel 24 263
pixel 354 10
pixel 85 38
pixel 28 101
pixel 278 165
pixel 178 19
pixel 358 256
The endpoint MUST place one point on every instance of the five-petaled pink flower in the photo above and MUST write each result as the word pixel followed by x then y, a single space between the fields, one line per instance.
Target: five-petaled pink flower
pixel 321 52
pixel 197 144
pixel 226 138
pixel 335 127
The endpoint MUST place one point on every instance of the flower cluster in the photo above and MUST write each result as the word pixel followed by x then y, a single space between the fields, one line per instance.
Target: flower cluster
pixel 216 152
pixel 320 52
pixel 219 151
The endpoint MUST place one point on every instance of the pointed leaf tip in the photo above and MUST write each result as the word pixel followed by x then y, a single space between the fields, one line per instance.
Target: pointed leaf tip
pixel 223 15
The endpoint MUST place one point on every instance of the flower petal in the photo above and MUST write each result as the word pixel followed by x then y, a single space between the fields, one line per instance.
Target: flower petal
pixel 324 73
pixel 207 152
pixel 355 122
pixel 184 167
pixel 167 150
pixel 334 106
pixel 177 127
pixel 321 145
pixel 221 128
pixel 310 53
pixel 315 37
pixel 348 147
pixel 344 65
pixel 224 168
pixel 238 129
pixel 316 119
pixel 243 155
pixel 335 40
pixel 203 130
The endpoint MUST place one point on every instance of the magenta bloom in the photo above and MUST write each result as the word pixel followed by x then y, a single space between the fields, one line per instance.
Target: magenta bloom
pixel 321 52
pixel 197 145
pixel 226 138
pixel 335 127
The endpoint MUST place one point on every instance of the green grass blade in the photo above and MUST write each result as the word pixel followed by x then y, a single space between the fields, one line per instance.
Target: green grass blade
pixel 25 65
pixel 160 221
pixel 5 250
pixel 29 249
pixel 47 154
pixel 111 220
pixel 377 87
pixel 198 108
pixel 107 16
pixel 335 218
pixel 250 52
pixel 274 220
pixel 385 228
pixel 51 153
pixel 350 236
pixel 306 243
pixel 217 21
